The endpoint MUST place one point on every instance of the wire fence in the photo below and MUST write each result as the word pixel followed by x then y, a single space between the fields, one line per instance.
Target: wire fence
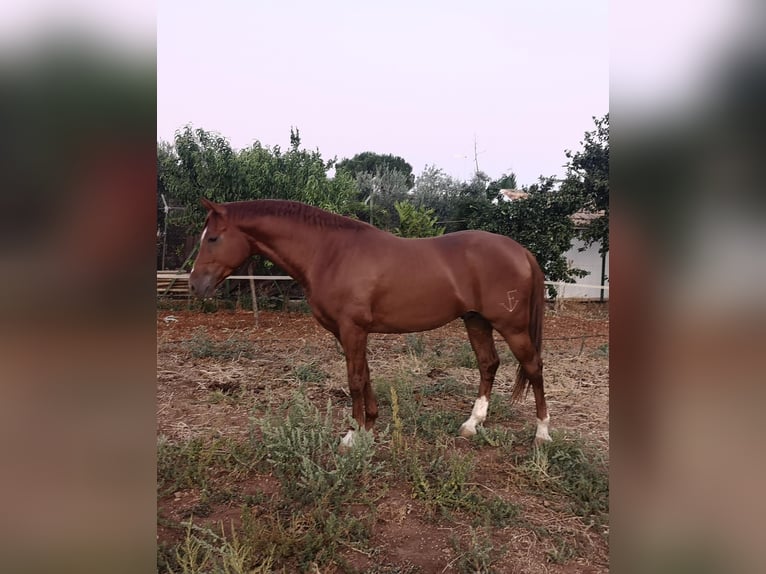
pixel 173 282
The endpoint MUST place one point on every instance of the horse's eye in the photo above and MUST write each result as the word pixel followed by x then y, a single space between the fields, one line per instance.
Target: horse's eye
pixel 212 239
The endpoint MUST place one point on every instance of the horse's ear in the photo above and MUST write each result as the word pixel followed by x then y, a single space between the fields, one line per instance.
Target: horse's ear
pixel 213 207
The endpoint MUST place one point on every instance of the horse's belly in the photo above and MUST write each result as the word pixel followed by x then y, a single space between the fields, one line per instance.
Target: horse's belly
pixel 411 315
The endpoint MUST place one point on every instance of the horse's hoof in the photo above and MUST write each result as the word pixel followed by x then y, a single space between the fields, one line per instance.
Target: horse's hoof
pixel 346 443
pixel 467 431
pixel 540 441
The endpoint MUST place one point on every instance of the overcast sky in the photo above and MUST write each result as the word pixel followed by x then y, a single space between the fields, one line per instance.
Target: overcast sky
pixel 418 78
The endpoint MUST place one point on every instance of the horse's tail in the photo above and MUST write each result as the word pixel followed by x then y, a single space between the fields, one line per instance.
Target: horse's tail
pixel 536 310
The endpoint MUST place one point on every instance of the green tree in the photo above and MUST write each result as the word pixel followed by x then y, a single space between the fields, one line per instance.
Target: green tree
pixel 541 222
pixel 436 190
pixel 416 221
pixel 380 191
pixel 588 176
pixel 373 163
pixel 199 164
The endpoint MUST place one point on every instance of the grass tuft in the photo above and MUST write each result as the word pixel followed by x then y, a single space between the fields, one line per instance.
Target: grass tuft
pixel 202 346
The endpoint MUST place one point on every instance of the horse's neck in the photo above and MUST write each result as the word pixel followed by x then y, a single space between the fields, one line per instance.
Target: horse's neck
pixel 283 241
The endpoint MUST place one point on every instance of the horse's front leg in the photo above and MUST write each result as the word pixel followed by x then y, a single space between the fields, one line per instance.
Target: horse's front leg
pixel 354 342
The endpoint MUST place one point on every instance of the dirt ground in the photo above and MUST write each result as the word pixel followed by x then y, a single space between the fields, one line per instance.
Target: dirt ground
pixel 263 359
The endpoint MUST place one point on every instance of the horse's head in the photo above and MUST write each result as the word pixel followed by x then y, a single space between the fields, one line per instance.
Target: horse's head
pixel 223 247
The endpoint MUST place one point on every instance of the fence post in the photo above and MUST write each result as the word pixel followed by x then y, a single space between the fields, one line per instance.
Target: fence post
pixel 252 293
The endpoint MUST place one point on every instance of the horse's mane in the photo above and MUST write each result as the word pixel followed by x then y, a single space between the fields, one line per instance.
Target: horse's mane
pixel 292 210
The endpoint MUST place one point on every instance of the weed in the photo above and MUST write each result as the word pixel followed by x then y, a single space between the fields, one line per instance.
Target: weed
pixel 448 386
pixel 441 481
pixel 561 553
pixel 465 357
pixel 309 373
pixel 478 555
pixel 433 424
pixel 202 346
pixel 495 436
pixel 182 465
pixel 303 449
pixel 501 409
pixel 203 551
pixel 408 405
pixel 415 343
pixel 570 468
pixel 407 568
pixel 397 438
pixel 501 512
pixel 191 464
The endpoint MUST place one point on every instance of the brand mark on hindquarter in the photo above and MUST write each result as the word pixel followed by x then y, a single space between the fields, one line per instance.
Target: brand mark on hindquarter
pixel 512 301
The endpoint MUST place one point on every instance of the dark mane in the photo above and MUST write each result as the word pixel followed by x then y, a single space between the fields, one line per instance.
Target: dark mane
pixel 293 210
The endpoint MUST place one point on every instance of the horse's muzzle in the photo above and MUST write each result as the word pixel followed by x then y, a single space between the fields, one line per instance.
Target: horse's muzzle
pixel 202 286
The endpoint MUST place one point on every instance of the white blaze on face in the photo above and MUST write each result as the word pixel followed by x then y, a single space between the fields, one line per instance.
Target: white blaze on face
pixel 478 416
pixel 542 429
pixel 201 241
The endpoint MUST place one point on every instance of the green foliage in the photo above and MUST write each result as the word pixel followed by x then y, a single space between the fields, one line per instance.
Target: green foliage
pixel 478 556
pixel 540 222
pixel 203 164
pixel 373 163
pixel 415 343
pixel 303 449
pixel 416 221
pixel 570 468
pixel 380 191
pixel 190 464
pixel 202 346
pixel 588 176
pixel 437 191
pixel 309 373
pixel 465 357
pixel 440 480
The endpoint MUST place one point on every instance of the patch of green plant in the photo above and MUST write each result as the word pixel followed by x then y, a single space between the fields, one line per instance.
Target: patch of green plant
pixel 441 480
pixel 477 555
pixel 193 463
pixel 448 386
pixel 204 550
pixel 408 405
pixel 465 357
pixel 571 468
pixel 303 450
pixel 433 424
pixel 300 537
pixel 415 343
pixel 500 512
pixel 495 436
pixel 501 409
pixel 561 552
pixel 406 568
pixel 202 346
pixel 310 373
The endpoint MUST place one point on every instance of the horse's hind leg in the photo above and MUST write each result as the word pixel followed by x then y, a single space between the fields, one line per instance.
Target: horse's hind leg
pixel 531 365
pixel 480 335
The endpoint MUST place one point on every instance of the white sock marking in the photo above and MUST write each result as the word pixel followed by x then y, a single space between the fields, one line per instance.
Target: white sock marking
pixel 478 416
pixel 542 429
pixel 348 440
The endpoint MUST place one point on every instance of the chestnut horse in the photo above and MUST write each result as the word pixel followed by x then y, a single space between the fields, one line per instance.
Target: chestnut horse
pixel 360 280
